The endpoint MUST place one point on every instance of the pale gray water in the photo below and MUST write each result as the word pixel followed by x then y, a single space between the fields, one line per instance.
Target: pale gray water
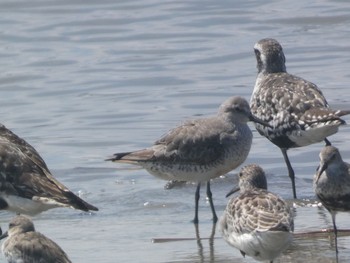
pixel 81 80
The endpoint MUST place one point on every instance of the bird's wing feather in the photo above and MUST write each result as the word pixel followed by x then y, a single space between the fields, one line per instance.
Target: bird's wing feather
pixel 42 249
pixel 185 143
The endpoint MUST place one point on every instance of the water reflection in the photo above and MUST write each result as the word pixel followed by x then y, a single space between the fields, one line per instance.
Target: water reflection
pixel 200 245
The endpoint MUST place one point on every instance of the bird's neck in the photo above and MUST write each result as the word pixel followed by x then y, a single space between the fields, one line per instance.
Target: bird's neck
pixel 272 68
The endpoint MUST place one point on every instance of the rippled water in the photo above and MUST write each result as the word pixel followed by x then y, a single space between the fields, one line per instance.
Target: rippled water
pixel 81 80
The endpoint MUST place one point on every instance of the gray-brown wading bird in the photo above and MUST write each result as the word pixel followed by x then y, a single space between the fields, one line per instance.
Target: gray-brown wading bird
pixel 332 184
pixel 26 183
pixel 25 245
pixel 200 149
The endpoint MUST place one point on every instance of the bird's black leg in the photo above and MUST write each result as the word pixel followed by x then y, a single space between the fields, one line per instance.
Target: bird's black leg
pixel 290 171
pixel 210 197
pixel 196 199
pixel 335 233
pixel 328 143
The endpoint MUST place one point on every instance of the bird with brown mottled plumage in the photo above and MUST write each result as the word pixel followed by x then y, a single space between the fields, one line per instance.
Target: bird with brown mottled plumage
pixel 24 245
pixel 257 222
pixel 26 183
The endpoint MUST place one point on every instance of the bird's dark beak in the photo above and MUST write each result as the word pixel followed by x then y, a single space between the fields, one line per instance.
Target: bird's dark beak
pixel 320 170
pixel 4 235
pixel 255 119
pixel 234 190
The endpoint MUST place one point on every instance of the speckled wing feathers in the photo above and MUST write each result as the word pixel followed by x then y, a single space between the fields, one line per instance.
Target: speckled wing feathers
pixel 260 214
pixel 7 137
pixel 291 105
pixel 24 173
pixel 22 246
pixel 286 93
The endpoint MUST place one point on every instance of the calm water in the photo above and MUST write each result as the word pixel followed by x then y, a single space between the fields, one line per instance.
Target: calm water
pixel 81 80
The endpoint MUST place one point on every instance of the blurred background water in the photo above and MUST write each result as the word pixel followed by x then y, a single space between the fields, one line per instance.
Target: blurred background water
pixel 81 80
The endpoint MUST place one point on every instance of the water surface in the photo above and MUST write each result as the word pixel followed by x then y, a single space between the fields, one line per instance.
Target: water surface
pixel 81 80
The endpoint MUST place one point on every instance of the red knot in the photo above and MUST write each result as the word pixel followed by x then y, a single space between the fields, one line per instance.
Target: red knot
pixel 200 149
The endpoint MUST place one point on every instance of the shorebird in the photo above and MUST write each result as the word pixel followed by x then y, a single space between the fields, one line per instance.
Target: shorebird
pixel 26 184
pixel 332 183
pixel 296 108
pixel 200 149
pixel 257 222
pixel 24 244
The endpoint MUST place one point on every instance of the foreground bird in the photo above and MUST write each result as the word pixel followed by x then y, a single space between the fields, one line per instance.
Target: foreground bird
pixel 332 183
pixel 257 222
pixel 26 184
pixel 296 108
pixel 200 149
pixel 24 245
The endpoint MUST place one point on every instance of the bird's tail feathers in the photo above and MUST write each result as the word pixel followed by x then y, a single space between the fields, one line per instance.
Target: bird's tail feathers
pixel 342 112
pixel 78 203
pixel 117 156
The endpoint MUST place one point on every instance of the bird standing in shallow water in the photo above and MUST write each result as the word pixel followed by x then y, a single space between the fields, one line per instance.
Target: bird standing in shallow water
pixel 25 245
pixel 200 149
pixel 26 184
pixel 257 222
pixel 294 107
pixel 332 184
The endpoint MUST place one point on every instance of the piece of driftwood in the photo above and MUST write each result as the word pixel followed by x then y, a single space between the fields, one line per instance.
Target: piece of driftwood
pixel 323 233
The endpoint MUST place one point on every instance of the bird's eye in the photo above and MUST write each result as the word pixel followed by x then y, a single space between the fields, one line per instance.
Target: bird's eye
pixel 238 109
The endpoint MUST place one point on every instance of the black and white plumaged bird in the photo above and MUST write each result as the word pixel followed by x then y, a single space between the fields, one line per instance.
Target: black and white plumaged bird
pixel 294 107
pixel 25 245
pixel 26 184
pixel 200 149
pixel 332 184
pixel 257 222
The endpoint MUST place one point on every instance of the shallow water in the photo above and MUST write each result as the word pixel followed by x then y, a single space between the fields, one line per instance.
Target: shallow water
pixel 81 80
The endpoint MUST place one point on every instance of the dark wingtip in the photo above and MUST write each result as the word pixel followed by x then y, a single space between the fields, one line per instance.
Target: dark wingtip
pixel 86 207
pixel 117 156
pixel 78 203
pixel 92 208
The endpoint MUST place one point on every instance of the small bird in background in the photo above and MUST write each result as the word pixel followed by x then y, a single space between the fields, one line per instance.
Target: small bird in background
pixel 26 184
pixel 25 245
pixel 332 184
pixel 257 222
pixel 200 149
pixel 294 107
